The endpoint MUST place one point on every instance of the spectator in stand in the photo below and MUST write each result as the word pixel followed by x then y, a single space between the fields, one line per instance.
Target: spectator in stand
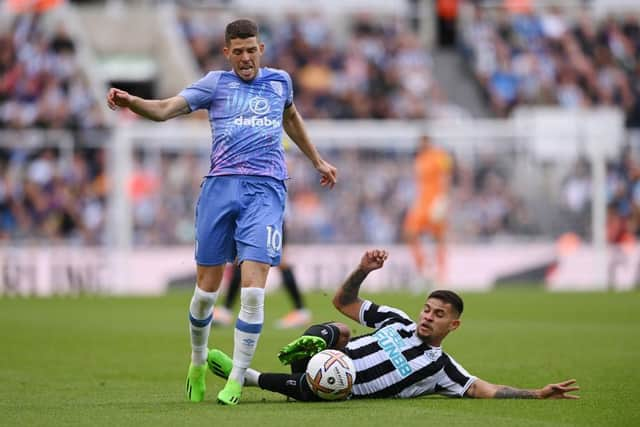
pixel 44 196
pixel 531 57
pixel 41 82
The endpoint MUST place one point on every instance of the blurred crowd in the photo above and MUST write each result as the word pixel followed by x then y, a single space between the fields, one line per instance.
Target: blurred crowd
pixel 622 197
pixel 55 195
pixel 376 70
pixel 58 193
pixel 370 209
pixel 42 84
pixel 163 191
pixel 47 195
pixel 522 56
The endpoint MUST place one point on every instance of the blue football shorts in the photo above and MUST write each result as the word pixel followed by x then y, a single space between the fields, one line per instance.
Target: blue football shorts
pixel 240 217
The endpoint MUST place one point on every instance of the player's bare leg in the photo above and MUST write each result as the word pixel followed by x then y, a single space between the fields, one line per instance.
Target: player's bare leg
pixel 421 282
pixel 200 316
pixel 441 261
pixel 223 315
pixel 248 328
pixel 417 251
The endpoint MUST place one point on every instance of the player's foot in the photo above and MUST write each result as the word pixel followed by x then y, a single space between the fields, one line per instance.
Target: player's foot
pixel 295 319
pixel 231 393
pixel 219 363
pixel 196 385
pixel 305 346
pixel 222 316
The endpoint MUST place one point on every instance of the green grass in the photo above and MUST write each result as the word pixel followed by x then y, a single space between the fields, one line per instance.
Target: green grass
pixel 123 361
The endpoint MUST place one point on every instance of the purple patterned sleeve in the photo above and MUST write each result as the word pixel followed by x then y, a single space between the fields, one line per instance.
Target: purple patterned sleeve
pixel 200 94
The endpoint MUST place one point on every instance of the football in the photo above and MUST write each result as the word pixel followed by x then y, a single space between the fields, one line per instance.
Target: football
pixel 331 374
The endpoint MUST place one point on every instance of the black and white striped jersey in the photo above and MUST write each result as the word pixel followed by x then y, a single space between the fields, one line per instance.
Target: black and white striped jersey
pixel 393 362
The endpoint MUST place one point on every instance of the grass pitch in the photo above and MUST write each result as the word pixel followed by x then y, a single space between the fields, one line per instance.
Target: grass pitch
pixel 122 362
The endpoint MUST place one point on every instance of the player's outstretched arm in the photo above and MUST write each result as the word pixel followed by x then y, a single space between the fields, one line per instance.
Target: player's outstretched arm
pixel 485 390
pixel 294 127
pixel 152 109
pixel 346 299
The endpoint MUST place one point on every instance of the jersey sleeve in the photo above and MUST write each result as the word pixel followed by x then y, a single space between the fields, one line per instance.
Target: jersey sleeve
pixel 455 380
pixel 374 315
pixel 200 94
pixel 289 93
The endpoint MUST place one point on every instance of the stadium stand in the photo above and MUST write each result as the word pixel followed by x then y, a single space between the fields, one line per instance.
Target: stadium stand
pixel 362 66
pixel 49 190
pixel 41 82
pixel 550 56
pixel 47 196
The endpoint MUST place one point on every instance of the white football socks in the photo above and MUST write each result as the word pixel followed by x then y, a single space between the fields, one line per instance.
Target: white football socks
pixel 200 316
pixel 247 332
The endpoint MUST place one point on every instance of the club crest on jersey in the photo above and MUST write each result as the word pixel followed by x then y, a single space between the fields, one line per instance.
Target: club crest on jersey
pixel 433 354
pixel 259 105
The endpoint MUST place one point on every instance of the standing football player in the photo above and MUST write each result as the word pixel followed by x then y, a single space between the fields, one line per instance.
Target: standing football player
pixel 240 209
pixel 428 214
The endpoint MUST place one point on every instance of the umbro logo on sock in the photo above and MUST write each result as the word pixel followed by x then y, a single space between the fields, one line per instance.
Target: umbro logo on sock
pixel 249 342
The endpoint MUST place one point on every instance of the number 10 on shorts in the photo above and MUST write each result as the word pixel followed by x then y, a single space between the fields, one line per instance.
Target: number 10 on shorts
pixel 274 239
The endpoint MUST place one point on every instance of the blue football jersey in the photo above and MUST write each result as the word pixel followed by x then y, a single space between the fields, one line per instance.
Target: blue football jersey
pixel 246 120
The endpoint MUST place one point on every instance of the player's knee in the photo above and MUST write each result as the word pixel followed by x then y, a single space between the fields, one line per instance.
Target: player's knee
pixel 327 331
pixel 319 330
pixel 208 278
pixel 344 336
pixel 409 235
pixel 254 274
pixel 335 334
pixel 252 299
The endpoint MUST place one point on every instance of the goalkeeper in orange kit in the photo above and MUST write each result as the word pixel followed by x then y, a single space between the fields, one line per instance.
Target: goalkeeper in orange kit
pixel 428 214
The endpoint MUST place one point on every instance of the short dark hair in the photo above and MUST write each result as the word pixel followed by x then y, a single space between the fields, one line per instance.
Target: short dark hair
pixel 240 29
pixel 449 297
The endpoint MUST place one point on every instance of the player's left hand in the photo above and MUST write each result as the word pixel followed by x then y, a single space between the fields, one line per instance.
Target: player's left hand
pixel 328 172
pixel 560 390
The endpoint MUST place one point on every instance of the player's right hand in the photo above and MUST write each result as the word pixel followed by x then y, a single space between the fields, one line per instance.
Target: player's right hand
pixel 118 98
pixel 373 260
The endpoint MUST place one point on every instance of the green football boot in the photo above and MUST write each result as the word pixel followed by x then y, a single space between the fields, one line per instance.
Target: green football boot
pixel 305 346
pixel 231 393
pixel 196 384
pixel 219 363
